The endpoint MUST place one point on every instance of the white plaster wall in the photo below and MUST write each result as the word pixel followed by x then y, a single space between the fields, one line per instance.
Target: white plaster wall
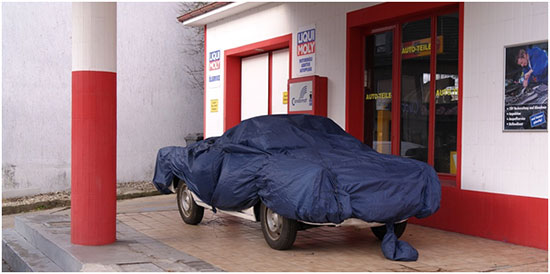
pixel 157 103
pixel 36 97
pixel 492 160
pixel 277 19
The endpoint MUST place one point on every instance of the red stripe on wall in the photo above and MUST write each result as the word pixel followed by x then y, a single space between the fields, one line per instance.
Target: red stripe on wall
pixel 508 218
pixel 93 158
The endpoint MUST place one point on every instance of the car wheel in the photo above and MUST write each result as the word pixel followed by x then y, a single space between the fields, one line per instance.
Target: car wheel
pixel 380 231
pixel 190 212
pixel 279 232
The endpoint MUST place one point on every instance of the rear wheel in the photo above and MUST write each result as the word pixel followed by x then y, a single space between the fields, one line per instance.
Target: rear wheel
pixel 190 212
pixel 380 231
pixel 279 232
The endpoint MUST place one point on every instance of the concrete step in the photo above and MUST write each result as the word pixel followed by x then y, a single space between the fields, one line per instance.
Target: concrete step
pixel 22 256
pixel 37 230
pixel 50 235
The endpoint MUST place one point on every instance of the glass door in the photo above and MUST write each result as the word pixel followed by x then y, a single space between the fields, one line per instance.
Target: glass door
pixel 415 89
pixel 411 89
pixel 378 90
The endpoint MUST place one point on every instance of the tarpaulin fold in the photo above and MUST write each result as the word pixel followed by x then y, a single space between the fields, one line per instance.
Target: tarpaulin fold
pixel 306 168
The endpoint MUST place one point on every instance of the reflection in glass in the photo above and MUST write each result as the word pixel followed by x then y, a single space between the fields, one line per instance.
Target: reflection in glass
pixel 415 89
pixel 378 88
pixel 446 96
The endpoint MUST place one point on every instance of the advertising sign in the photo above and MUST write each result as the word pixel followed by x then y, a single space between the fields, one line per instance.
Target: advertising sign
pixel 214 60
pixel 214 78
pixel 421 47
pixel 305 50
pixel 214 105
pixel 301 96
pixel 526 87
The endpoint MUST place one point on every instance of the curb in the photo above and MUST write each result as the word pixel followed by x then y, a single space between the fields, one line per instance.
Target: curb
pixel 43 205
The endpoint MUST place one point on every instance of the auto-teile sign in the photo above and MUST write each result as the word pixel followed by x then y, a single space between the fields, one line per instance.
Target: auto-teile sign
pixel 305 50
pixel 421 47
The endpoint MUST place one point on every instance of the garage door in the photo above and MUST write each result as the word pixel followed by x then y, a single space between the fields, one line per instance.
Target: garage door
pixel 264 80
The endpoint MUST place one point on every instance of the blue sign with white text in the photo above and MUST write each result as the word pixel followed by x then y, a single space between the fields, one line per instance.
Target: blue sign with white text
pixel 537 119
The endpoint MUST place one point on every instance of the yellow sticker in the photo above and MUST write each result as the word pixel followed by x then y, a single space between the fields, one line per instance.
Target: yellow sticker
pixel 214 105
pixel 285 97
pixel 453 162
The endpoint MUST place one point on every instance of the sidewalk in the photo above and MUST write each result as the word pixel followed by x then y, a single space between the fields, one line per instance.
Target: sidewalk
pixel 234 244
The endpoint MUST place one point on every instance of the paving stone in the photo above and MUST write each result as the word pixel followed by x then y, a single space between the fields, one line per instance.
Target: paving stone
pixel 235 244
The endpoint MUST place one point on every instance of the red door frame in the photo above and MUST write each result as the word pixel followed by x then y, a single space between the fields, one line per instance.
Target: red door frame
pixel 232 74
pixel 400 12
pixel 509 218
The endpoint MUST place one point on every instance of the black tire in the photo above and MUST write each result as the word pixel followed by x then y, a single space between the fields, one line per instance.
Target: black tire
pixel 380 231
pixel 279 232
pixel 190 212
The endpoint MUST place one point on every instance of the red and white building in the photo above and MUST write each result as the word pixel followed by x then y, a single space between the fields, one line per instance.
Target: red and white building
pixel 378 60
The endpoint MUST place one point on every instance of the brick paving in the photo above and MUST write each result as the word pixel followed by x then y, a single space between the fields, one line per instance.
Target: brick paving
pixel 235 244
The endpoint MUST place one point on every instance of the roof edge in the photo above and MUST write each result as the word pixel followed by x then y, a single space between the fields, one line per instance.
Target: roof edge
pixel 202 10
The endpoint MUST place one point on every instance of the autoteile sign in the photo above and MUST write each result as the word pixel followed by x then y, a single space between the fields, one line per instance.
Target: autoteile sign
pixel 214 68
pixel 421 47
pixel 301 95
pixel 305 50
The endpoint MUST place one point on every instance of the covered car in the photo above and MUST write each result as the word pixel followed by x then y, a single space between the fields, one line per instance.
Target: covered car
pixel 303 168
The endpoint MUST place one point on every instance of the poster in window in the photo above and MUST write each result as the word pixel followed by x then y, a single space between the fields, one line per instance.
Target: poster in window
pixel 526 87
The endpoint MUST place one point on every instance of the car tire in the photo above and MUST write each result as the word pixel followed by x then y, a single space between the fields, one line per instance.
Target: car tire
pixel 380 231
pixel 279 232
pixel 190 212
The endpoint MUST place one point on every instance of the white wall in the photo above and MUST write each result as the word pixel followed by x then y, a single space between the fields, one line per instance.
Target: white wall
pixel 277 19
pixel 158 105
pixel 36 97
pixel 492 160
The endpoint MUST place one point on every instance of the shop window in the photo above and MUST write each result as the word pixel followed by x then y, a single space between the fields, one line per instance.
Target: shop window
pixel 415 89
pixel 428 110
pixel 446 96
pixel 378 90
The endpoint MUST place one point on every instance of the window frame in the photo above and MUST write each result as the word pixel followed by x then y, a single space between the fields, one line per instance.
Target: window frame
pixel 357 30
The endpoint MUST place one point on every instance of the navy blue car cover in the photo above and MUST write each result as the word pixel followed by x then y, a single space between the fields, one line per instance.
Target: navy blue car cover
pixel 307 168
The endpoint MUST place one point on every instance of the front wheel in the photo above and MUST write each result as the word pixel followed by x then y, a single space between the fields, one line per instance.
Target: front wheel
pixel 279 232
pixel 380 231
pixel 190 212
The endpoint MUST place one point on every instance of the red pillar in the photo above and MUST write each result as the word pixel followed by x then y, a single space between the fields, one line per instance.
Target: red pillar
pixel 93 140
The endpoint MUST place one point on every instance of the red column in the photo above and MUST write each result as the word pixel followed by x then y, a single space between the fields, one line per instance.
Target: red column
pixel 93 140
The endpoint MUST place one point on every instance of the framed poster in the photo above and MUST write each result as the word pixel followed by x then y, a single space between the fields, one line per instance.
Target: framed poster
pixel 526 87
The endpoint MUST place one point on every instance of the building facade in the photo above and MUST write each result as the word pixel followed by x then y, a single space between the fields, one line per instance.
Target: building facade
pixel 482 130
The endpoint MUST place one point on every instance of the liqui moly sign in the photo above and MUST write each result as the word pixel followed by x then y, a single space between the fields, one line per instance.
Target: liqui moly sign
pixel 214 60
pixel 305 51
pixel 306 42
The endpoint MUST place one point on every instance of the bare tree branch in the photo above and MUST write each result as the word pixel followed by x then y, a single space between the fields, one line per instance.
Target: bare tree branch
pixel 193 48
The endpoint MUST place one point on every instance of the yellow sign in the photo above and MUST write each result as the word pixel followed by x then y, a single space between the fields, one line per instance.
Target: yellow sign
pixel 447 91
pixel 453 162
pixel 376 96
pixel 214 105
pixel 421 47
pixel 285 97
